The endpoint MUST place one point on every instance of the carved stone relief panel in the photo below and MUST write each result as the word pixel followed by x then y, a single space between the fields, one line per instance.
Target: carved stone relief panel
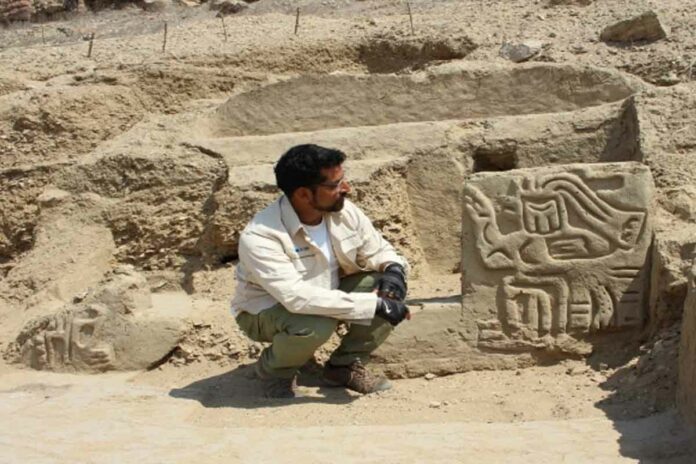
pixel 113 326
pixel 552 253
pixel 70 338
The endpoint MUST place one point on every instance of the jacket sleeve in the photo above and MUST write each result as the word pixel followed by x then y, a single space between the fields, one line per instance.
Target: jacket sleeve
pixel 271 268
pixel 375 252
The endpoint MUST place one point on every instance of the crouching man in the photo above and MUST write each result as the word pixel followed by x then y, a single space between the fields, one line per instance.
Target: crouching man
pixel 309 260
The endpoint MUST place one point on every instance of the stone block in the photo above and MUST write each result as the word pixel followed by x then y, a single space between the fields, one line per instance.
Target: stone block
pixel 672 254
pixel 228 7
pixel 48 8
pixel 115 327
pixel 154 5
pixel 436 340
pixel 519 52
pixel 646 27
pixel 15 10
pixel 552 254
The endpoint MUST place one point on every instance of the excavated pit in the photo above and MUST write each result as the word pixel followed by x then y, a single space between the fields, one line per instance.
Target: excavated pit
pixel 431 128
pixel 412 141
pixel 452 91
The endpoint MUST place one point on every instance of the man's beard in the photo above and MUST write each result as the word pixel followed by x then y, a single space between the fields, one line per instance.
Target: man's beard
pixel 334 207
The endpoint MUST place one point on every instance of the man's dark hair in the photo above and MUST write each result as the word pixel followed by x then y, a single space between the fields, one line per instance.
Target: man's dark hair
pixel 300 166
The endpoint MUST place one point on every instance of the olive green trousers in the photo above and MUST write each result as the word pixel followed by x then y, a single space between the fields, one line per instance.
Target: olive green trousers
pixel 295 337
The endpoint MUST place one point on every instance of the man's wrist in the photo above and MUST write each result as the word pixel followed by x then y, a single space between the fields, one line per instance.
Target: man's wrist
pixel 365 304
pixel 388 264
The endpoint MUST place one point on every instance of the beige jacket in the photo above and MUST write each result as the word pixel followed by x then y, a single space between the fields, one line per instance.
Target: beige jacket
pixel 279 263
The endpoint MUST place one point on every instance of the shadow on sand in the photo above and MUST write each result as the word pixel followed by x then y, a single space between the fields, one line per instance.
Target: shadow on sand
pixel 239 388
pixel 641 401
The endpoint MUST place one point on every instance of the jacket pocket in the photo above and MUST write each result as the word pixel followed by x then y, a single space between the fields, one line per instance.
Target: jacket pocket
pixel 304 263
pixel 349 246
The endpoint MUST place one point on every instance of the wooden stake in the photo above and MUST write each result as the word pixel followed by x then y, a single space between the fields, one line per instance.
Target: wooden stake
pixel 297 20
pixel 410 17
pixel 91 43
pixel 164 40
pixel 224 29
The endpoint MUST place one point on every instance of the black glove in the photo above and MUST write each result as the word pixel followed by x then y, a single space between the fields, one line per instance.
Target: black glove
pixel 392 284
pixel 392 311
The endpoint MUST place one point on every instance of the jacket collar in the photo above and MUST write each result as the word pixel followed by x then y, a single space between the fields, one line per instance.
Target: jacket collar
pixel 292 221
pixel 289 216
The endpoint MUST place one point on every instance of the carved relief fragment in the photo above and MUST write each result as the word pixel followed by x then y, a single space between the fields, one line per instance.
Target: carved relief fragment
pixel 114 326
pixel 553 252
pixel 70 338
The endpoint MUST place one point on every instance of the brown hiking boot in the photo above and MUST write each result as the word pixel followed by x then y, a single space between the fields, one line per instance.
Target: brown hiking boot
pixel 355 377
pixel 276 387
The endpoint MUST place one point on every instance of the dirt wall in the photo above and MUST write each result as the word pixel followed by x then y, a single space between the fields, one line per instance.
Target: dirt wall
pixel 448 92
pixel 686 393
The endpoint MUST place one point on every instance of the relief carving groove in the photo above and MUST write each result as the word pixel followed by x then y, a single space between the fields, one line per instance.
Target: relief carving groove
pixel 68 339
pixel 112 326
pixel 566 257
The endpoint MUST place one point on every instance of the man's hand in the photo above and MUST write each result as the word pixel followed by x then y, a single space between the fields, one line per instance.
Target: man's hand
pixel 392 284
pixel 392 311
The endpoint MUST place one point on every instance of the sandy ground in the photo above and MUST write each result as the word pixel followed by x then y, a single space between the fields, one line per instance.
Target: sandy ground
pixel 213 411
pixel 542 414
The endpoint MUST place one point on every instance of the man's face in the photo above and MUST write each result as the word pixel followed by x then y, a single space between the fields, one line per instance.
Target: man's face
pixel 329 196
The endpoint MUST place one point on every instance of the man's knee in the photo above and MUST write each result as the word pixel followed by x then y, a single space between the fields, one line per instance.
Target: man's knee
pixel 313 330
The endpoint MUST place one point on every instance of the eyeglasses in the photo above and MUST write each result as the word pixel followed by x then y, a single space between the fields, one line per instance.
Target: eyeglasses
pixel 333 185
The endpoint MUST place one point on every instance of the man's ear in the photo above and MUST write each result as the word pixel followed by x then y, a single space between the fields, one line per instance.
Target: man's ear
pixel 303 194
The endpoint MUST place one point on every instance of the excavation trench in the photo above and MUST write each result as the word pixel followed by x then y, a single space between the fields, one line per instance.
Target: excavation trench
pixel 412 141
pixel 452 91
